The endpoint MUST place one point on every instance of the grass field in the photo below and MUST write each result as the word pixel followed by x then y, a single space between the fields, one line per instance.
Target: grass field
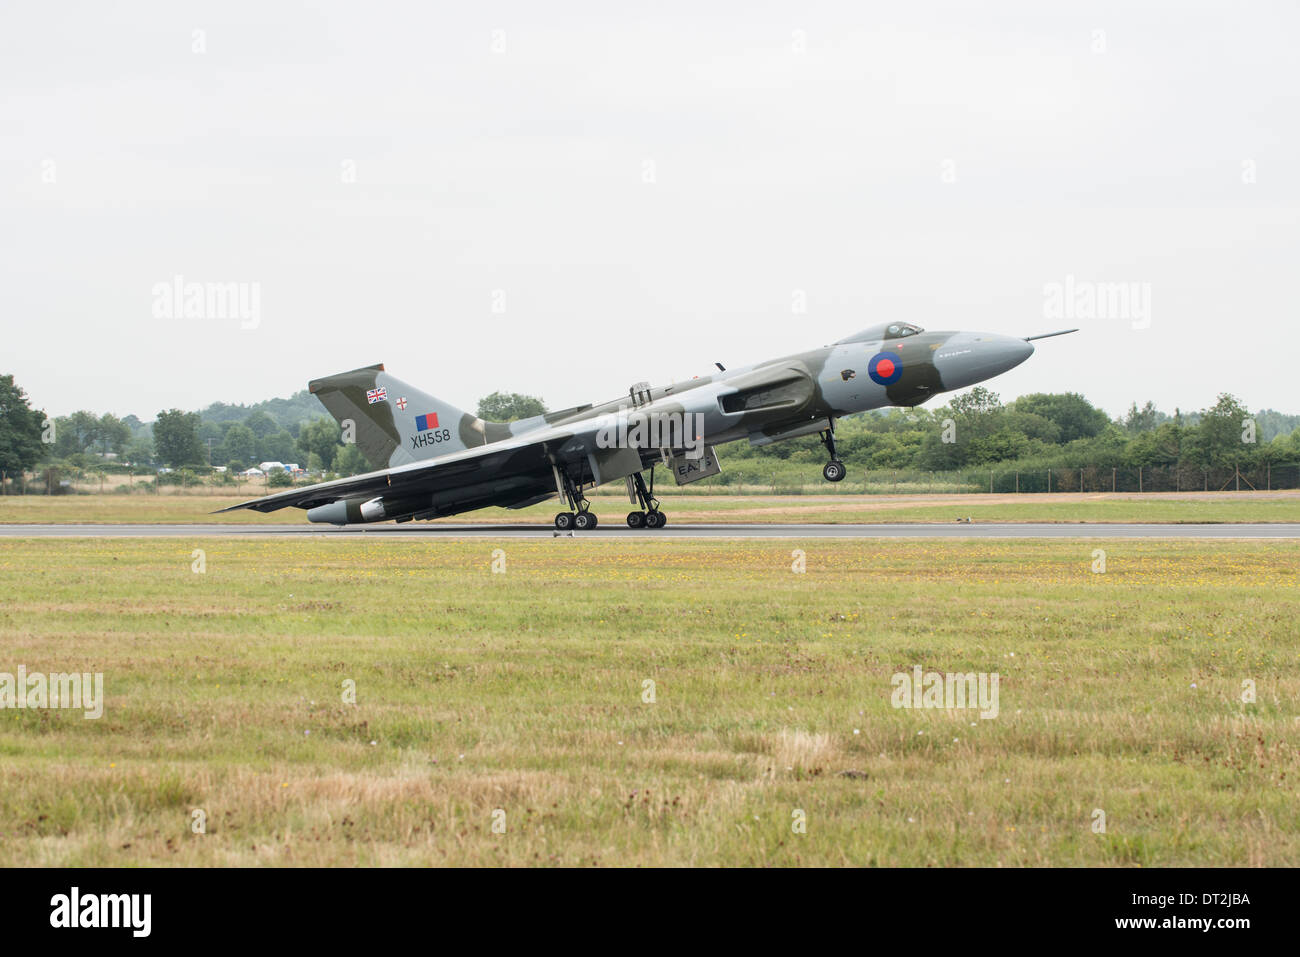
pixel 520 694
pixel 1062 507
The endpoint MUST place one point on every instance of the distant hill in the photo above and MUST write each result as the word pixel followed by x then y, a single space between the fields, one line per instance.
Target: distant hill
pixel 288 413
pixel 1272 423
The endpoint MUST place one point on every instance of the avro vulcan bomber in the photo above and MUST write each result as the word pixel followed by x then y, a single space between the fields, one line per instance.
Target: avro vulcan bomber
pixel 431 459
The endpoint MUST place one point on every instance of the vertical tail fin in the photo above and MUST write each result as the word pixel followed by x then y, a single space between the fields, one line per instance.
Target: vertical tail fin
pixel 393 423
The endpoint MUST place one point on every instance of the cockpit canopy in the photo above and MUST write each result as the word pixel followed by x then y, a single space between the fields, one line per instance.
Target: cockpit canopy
pixel 886 330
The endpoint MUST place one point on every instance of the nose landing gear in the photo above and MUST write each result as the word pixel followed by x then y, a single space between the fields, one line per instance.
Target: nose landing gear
pixel 834 470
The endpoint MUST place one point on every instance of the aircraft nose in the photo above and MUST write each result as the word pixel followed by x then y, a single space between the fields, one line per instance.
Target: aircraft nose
pixel 979 358
pixel 1008 352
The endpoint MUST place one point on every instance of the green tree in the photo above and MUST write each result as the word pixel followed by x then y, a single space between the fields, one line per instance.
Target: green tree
pixel 350 461
pixel 1142 420
pixel 277 447
pixel 261 424
pixel 1217 440
pixel 975 416
pixel 1076 417
pixel 979 401
pixel 176 438
pixel 21 427
pixel 240 444
pixel 1162 445
pixel 509 406
pixel 1000 446
pixel 139 450
pixel 320 438
pixel 1032 425
pixel 74 434
pixel 112 433
pixel 211 435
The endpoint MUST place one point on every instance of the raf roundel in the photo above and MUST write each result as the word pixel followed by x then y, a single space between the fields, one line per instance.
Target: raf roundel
pixel 885 368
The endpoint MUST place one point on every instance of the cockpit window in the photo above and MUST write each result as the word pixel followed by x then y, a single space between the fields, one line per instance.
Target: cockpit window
pixel 889 330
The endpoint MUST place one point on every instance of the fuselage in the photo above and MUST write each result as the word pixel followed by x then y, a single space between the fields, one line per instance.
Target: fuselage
pixel 434 460
pixel 798 394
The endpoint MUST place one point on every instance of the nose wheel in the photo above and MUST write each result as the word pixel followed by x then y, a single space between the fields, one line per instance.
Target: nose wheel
pixel 834 470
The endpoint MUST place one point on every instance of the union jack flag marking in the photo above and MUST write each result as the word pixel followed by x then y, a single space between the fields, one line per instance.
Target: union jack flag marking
pixel 377 395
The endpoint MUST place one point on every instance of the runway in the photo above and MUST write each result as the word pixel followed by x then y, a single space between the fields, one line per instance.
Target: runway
pixel 414 532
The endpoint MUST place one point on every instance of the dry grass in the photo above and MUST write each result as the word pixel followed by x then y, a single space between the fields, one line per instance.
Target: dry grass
pixel 523 693
pixel 611 505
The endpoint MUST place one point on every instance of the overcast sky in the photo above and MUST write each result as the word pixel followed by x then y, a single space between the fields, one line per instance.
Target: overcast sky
pixel 562 199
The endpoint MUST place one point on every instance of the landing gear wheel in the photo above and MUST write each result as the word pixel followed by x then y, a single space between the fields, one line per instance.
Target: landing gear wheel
pixel 564 521
pixel 655 519
pixel 834 471
pixel 636 519
pixel 583 521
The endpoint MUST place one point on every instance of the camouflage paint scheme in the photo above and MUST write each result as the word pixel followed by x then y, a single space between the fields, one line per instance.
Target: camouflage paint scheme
pixel 459 462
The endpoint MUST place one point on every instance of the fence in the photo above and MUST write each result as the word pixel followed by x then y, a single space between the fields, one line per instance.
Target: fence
pixel 791 478
pixel 1168 478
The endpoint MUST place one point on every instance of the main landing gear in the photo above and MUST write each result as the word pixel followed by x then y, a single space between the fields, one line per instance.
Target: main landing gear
pixel 834 470
pixel 582 518
pixel 651 517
